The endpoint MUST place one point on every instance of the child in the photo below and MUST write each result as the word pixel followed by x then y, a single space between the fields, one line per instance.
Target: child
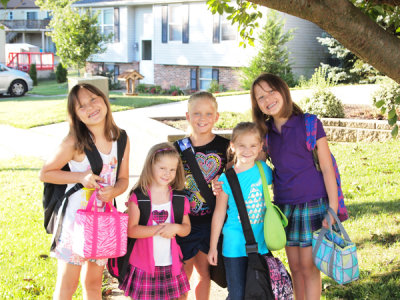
pixel 301 192
pixel 90 120
pixel 210 154
pixel 246 145
pixel 155 268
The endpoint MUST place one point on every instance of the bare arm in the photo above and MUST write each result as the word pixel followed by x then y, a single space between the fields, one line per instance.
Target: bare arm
pixel 139 231
pixel 51 170
pixel 328 173
pixel 216 226
pixel 170 230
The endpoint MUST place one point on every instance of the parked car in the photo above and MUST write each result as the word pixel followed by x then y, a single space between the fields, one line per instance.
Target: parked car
pixel 14 82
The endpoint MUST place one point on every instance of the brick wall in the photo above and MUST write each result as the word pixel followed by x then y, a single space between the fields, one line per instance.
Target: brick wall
pixel 167 75
pixel 93 67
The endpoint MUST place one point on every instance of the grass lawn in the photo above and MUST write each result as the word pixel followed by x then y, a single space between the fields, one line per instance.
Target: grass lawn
pixel 30 111
pixel 370 176
pixel 49 88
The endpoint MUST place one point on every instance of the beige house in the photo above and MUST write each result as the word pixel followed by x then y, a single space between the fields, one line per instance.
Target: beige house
pixel 2 45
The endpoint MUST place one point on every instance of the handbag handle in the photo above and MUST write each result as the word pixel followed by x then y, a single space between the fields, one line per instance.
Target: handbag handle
pixel 267 198
pixel 90 205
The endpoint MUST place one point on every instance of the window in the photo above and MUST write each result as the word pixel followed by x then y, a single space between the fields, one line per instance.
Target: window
pixel 105 20
pixel 31 15
pixel 205 78
pixel 228 31
pixel 175 22
pixel 10 15
pixel 146 50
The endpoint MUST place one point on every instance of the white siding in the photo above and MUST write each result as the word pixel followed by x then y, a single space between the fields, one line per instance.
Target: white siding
pixel 306 53
pixel 2 46
pixel 200 50
pixel 144 28
pixel 130 33
pixel 117 52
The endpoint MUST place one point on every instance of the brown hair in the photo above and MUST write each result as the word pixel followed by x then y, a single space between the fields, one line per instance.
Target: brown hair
pixel 278 84
pixel 202 95
pixel 78 129
pixel 243 128
pixel 155 153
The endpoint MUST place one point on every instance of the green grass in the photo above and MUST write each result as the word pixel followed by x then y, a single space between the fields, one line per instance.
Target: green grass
pixel 49 88
pixel 28 112
pixel 370 175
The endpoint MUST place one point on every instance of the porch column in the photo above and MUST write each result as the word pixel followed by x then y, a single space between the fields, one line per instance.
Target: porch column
pixel 43 39
pixel 23 37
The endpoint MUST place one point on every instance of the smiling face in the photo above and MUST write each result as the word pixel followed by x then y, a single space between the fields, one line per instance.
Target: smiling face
pixel 202 115
pixel 164 170
pixel 246 147
pixel 269 101
pixel 90 108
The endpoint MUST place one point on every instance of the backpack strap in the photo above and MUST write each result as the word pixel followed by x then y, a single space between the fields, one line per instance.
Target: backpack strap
pixel 187 151
pixel 311 131
pixel 121 145
pixel 96 164
pixel 178 205
pixel 251 244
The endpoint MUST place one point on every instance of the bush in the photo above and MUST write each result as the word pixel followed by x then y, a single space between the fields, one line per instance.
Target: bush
pixel 387 99
pixel 33 73
pixel 319 80
pixel 323 103
pixel 61 73
pixel 175 91
pixel 215 87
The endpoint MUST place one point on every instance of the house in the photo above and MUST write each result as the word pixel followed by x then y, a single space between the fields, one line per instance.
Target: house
pixel 2 44
pixel 182 43
pixel 26 23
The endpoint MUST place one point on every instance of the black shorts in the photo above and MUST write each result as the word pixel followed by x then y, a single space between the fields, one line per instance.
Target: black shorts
pixel 197 240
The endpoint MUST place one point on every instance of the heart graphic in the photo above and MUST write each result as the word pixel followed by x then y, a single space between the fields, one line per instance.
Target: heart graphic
pixel 160 216
pixel 209 164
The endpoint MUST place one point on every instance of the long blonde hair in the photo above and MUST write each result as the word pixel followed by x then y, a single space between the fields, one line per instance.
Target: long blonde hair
pixel 155 154
pixel 240 129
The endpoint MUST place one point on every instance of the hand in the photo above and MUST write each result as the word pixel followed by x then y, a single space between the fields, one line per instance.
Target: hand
pixel 168 230
pixel 213 257
pixel 325 222
pixel 216 185
pixel 106 193
pixel 89 180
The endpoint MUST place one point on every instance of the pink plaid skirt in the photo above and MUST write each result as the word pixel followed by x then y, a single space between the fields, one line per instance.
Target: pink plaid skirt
pixel 141 286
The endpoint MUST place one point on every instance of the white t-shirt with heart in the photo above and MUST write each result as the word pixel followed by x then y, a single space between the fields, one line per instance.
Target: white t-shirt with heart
pixel 161 246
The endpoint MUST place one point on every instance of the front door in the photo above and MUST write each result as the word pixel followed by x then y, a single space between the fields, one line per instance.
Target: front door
pixel 146 66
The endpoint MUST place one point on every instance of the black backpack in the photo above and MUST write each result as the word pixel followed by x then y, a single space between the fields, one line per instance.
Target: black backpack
pixel 118 266
pixel 55 199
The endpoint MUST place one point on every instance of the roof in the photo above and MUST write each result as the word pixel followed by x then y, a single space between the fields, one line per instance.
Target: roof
pixel 130 74
pixel 20 4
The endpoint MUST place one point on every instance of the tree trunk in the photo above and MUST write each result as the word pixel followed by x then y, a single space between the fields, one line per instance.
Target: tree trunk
pixel 351 27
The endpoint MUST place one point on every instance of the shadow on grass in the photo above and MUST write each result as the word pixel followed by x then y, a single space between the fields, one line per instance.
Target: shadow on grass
pixel 385 285
pixel 19 169
pixel 373 208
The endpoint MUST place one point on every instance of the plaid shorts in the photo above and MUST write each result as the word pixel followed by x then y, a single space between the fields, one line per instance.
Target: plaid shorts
pixel 303 219
pixel 141 286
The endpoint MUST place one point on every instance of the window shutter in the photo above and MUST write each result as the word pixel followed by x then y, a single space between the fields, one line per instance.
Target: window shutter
pixel 215 75
pixel 116 24
pixel 193 79
pixel 185 25
pixel 216 29
pixel 164 24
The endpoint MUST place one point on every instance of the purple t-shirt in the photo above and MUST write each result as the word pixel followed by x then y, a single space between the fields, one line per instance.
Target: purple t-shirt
pixel 296 180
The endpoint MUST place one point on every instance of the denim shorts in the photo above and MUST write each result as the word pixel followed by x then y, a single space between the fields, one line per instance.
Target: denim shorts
pixel 197 240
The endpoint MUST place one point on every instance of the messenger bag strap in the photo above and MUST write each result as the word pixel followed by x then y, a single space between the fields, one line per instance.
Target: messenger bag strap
pixel 251 244
pixel 185 147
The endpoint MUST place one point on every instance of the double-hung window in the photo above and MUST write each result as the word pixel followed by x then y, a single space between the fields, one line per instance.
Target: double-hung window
pixel 105 20
pixel 31 15
pixel 175 22
pixel 228 31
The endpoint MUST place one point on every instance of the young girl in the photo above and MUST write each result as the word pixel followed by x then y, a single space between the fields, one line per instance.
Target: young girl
pixel 246 145
pixel 90 120
pixel 210 153
pixel 155 268
pixel 302 192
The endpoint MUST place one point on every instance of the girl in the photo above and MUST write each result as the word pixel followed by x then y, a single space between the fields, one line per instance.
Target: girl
pixel 246 145
pixel 90 119
pixel 155 268
pixel 210 153
pixel 302 192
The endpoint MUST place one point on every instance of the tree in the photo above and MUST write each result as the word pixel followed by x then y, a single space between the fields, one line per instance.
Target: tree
pixel 75 33
pixel 368 28
pixel 273 56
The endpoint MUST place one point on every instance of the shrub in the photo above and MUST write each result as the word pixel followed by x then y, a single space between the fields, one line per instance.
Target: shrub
pixel 387 98
pixel 61 73
pixel 323 103
pixel 319 80
pixel 33 73
pixel 215 87
pixel 141 88
pixel 175 91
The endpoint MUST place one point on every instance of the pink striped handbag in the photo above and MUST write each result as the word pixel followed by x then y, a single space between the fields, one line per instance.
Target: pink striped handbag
pixel 100 234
